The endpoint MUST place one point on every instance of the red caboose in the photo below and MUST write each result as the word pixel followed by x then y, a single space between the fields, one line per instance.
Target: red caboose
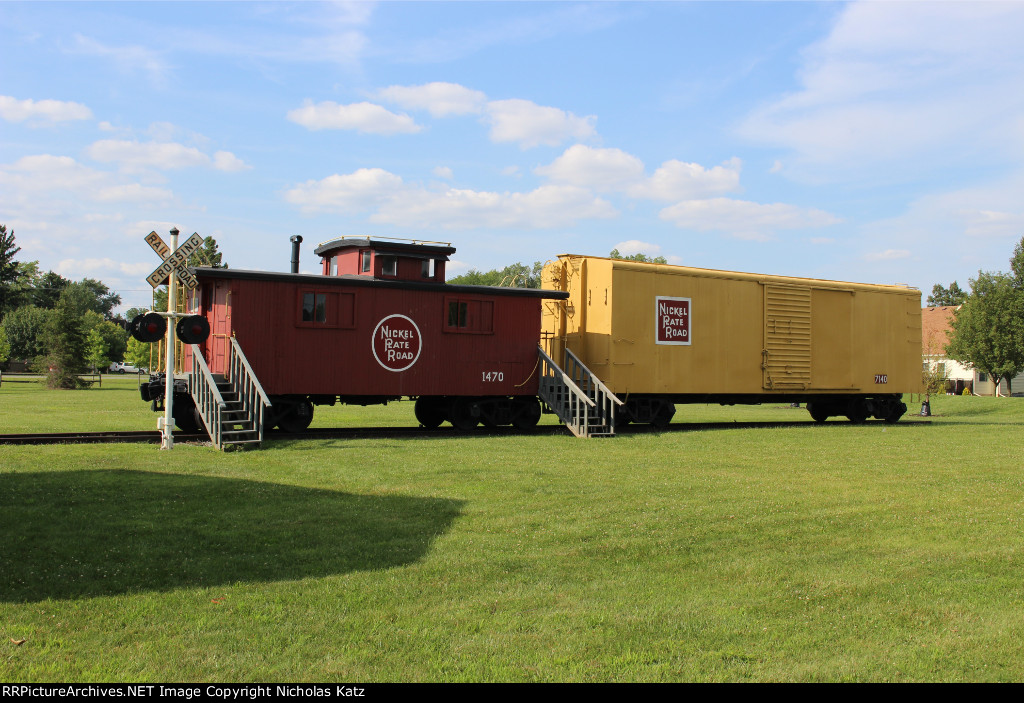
pixel 378 324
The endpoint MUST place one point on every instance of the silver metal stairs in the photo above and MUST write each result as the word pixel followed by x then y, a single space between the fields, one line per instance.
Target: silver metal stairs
pixel 232 406
pixel 579 399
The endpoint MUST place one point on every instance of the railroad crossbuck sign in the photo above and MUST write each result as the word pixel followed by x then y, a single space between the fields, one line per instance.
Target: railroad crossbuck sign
pixel 176 261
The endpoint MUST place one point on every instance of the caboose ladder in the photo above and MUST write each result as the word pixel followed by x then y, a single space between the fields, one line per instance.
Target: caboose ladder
pixel 232 406
pixel 579 399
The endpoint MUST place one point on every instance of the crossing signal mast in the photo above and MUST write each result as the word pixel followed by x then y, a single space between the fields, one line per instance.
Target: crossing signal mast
pixel 152 326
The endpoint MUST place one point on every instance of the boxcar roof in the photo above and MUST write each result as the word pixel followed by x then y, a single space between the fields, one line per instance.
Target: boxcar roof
pixel 673 269
pixel 371 282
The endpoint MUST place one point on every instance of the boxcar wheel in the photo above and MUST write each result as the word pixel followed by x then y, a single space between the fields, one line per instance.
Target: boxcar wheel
pixel 664 415
pixel 857 411
pixel 819 412
pixel 430 412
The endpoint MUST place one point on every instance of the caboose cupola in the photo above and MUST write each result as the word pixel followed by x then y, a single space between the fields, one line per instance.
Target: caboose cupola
pixel 387 258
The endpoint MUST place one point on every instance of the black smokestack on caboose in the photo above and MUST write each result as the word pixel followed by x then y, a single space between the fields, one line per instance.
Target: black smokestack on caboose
pixel 296 240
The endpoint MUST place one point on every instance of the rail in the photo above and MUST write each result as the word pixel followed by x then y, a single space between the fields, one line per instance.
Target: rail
pixel 209 402
pixel 247 387
pixel 567 400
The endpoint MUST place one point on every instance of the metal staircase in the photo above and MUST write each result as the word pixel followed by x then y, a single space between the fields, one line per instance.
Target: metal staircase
pixel 232 406
pixel 579 399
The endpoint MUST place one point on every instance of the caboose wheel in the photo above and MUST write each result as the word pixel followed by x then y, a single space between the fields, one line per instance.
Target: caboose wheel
pixel 462 417
pixel 429 412
pixel 296 416
pixel 527 413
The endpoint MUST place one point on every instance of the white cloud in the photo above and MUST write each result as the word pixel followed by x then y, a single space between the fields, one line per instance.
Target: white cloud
pixel 352 192
pixel 443 172
pixel 635 246
pixel 439 99
pixel 887 255
pixel 616 170
pixel 744 219
pixel 904 86
pixel 601 169
pixel 105 267
pixel 133 156
pixel 677 180
pixel 362 117
pixel 128 59
pixel 226 161
pixel 36 112
pixel 532 125
pixel 546 206
pixel 389 200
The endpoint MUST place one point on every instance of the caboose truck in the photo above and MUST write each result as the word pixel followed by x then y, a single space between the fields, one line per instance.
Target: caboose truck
pixel 379 323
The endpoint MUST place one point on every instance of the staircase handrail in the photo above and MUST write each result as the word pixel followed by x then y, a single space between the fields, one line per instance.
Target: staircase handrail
pixel 566 379
pixel 236 351
pixel 204 391
pixel 592 378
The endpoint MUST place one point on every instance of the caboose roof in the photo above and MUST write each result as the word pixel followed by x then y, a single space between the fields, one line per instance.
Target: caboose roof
pixel 321 281
pixel 410 248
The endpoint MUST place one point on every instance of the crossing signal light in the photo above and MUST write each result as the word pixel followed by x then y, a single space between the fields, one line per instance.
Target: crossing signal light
pixel 149 327
pixel 193 329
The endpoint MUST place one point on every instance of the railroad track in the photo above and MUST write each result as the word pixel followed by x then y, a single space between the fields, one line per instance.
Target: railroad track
pixel 153 436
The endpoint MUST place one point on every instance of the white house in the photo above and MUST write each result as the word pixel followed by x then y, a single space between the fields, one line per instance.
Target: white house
pixel 936 324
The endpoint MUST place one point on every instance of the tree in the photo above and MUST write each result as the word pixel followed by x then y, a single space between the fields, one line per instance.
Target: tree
pixel 47 289
pixel 209 255
pixel 63 339
pixel 951 296
pixel 641 257
pixel 515 275
pixel 111 338
pixel 138 354
pixel 90 294
pixel 1017 264
pixel 96 352
pixel 5 347
pixel 23 328
pixel 988 330
pixel 8 269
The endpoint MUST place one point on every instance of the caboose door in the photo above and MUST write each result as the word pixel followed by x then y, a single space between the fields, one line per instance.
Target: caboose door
pixel 220 326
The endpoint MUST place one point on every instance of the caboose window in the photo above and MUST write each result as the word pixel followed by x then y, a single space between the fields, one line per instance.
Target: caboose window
pixel 471 316
pixel 327 309
pixel 456 314
pixel 314 307
pixel 364 258
pixel 389 265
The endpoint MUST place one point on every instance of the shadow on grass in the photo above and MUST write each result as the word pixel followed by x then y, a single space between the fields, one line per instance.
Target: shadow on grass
pixel 100 533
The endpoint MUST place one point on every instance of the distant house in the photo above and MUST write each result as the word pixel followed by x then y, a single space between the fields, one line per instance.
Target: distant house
pixel 936 324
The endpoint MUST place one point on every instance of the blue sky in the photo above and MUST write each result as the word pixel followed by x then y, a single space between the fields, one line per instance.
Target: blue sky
pixel 879 142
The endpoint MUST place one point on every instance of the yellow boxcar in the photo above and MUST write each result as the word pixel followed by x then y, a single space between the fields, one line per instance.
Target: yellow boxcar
pixel 657 335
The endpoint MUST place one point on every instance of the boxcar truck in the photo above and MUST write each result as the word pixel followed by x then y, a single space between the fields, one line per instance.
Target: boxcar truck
pixel 659 335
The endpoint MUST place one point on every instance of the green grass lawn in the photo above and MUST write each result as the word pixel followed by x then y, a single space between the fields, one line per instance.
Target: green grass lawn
pixel 806 552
